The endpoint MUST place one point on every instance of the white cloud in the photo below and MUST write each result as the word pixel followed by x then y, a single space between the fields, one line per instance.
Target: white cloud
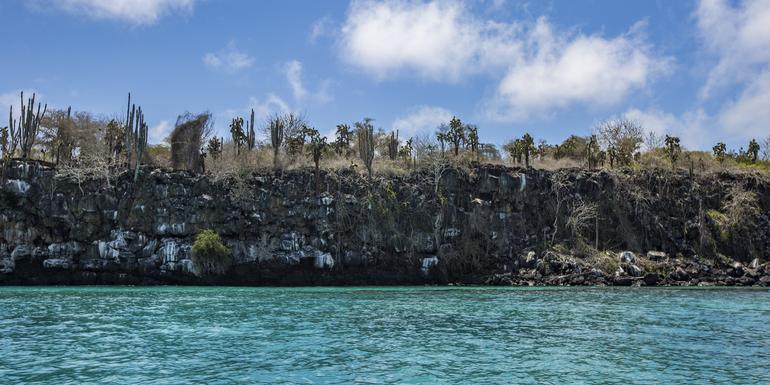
pixel 294 77
pixel 568 70
pixel 13 98
pixel 322 27
pixel 421 120
pixel 269 105
pixel 540 69
pixel 293 71
pixel 228 59
pixel 159 132
pixel 693 128
pixel 438 40
pixel 739 39
pixel 749 114
pixel 131 11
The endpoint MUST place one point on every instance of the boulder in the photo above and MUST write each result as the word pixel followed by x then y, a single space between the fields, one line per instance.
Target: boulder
pixel 651 279
pixel 528 261
pixel 634 271
pixel 656 256
pixel 623 280
pixel 627 257
pixel 679 274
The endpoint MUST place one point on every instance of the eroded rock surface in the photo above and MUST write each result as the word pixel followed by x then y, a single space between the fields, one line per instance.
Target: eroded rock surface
pixel 489 224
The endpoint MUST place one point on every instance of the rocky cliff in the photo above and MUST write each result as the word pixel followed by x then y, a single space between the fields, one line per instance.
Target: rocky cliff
pixel 441 224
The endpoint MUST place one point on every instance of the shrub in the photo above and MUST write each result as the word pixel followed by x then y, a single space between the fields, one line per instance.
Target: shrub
pixel 210 255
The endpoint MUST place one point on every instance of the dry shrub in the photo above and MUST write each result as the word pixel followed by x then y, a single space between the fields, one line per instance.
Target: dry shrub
pixel 552 164
pixel 228 163
pixel 187 139
pixel 88 167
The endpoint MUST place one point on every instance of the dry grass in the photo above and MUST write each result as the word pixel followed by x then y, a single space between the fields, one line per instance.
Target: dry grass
pixel 552 164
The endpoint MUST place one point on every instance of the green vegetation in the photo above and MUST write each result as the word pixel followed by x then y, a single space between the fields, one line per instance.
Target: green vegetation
pixel 70 139
pixel 209 255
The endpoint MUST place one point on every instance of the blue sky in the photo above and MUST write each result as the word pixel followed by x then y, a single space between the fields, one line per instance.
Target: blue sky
pixel 696 69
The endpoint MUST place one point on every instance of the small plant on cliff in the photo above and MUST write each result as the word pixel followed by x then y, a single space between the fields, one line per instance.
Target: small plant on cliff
pixel 720 152
pixel 753 151
pixel 456 134
pixel 315 149
pixel 209 255
pixel 365 133
pixel 673 149
pixel 527 147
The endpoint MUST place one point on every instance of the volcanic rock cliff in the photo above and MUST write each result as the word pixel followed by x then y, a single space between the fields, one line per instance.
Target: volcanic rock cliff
pixel 441 224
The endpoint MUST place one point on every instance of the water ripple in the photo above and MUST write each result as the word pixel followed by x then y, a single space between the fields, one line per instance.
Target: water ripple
pixel 172 335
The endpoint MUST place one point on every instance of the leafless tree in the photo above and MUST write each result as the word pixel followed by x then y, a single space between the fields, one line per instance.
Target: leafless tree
pixel 653 140
pixel 624 136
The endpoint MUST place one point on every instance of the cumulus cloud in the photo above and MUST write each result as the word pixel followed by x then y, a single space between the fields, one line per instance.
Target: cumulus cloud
pixel 130 11
pixel 539 69
pixel 159 132
pixel 692 128
pixel 293 71
pixel 563 70
pixel 271 104
pixel 739 39
pixel 437 40
pixel 228 59
pixel 421 120
pixel 749 114
pixel 294 77
pixel 13 98
pixel 322 27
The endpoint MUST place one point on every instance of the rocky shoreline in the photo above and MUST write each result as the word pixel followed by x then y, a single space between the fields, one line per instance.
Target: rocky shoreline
pixel 484 224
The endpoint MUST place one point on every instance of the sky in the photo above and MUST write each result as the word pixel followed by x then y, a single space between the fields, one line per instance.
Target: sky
pixel 699 70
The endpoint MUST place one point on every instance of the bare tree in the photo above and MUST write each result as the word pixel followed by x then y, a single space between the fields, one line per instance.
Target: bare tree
pixel 653 141
pixel 766 148
pixel 622 135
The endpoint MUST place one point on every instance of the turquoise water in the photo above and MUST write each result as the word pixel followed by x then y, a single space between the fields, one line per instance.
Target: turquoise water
pixel 179 335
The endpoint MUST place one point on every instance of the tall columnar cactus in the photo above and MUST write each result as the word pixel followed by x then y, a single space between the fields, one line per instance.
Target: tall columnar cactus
pixel 365 132
pixel 13 136
pixel 393 145
pixel 129 128
pixel 135 132
pixel 29 125
pixel 251 135
pixel 277 126
pixel 140 140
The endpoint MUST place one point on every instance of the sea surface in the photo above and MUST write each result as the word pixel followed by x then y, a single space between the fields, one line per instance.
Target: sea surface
pixel 405 335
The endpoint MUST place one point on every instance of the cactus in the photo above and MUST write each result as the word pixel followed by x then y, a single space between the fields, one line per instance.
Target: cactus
pixel 277 126
pixel 236 133
pixel 393 145
pixel 365 132
pixel 135 133
pixel 251 136
pixel 140 139
pixel 214 147
pixel 28 127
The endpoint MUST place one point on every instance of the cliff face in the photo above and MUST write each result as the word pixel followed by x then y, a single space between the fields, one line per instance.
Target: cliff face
pixel 488 224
